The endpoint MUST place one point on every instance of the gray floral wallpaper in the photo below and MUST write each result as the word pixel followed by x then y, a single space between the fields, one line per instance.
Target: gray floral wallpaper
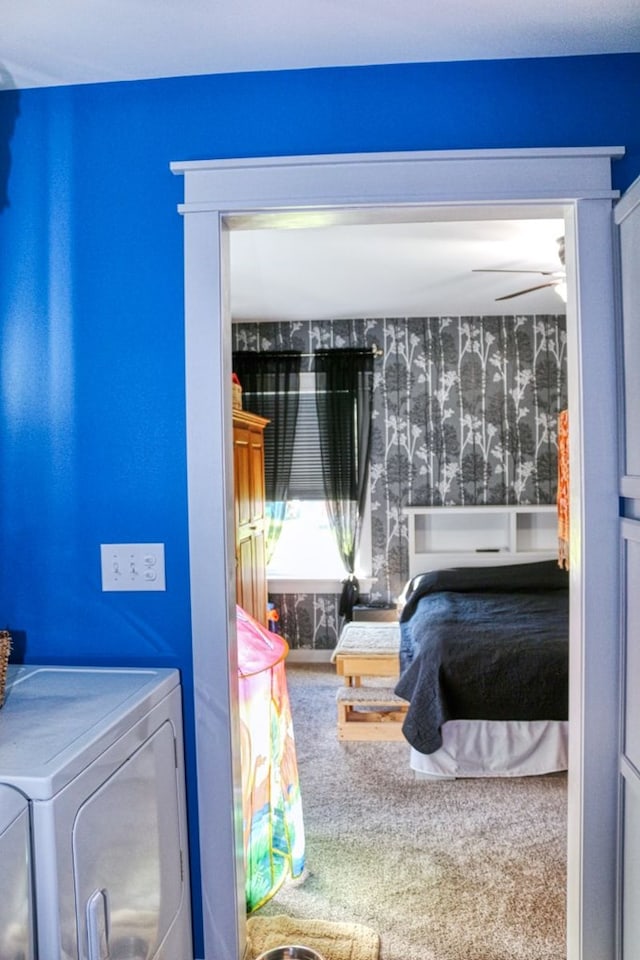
pixel 465 412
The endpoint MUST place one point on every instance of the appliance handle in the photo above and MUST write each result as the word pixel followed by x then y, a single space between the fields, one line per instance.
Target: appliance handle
pixel 98 925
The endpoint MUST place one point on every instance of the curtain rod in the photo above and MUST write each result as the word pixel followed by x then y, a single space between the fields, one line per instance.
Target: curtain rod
pixel 374 349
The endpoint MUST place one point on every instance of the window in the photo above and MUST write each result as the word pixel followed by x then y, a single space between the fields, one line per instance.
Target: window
pixel 306 549
pixel 305 479
pixel 301 532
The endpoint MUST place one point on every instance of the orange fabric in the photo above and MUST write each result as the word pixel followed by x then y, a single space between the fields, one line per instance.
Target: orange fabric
pixel 563 489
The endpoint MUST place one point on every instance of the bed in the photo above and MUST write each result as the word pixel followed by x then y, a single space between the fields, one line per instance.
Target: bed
pixel 484 668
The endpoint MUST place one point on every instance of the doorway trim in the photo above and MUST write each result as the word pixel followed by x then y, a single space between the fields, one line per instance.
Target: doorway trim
pixel 224 194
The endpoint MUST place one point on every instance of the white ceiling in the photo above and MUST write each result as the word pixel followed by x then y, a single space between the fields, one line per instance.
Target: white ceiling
pixel 396 268
pixel 84 41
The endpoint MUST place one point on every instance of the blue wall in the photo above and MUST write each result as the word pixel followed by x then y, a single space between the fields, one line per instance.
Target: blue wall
pixel 92 420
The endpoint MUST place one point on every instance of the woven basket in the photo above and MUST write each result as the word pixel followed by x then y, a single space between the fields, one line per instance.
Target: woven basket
pixel 5 650
pixel 236 396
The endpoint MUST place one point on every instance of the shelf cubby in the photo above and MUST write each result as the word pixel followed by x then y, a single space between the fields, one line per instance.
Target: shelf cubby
pixel 480 535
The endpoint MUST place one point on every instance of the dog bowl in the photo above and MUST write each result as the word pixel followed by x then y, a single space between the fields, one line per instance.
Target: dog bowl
pixel 293 952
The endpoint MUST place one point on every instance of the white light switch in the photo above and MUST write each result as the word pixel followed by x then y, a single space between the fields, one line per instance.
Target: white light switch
pixel 132 566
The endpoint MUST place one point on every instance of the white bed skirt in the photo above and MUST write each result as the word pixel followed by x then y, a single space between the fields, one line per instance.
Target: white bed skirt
pixel 496 748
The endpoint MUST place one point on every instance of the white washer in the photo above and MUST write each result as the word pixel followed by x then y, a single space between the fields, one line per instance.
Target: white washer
pixel 16 885
pixel 97 755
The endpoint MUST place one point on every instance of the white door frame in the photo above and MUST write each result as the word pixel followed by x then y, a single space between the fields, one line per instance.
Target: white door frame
pixel 577 182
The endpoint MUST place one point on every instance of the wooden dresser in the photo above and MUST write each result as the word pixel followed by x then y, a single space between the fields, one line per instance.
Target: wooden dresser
pixel 248 464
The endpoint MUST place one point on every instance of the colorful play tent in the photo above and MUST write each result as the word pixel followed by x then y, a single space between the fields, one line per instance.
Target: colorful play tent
pixel 271 803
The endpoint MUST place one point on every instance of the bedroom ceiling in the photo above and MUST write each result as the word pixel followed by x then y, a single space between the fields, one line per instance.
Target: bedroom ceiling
pixel 90 41
pixel 409 268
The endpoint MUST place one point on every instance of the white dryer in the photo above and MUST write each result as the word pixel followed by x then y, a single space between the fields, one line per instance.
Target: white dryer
pixel 97 756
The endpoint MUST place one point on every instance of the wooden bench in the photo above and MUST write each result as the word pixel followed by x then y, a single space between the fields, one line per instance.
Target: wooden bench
pixel 369 712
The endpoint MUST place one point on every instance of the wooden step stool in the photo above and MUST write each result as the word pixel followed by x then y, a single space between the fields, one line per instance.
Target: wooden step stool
pixel 369 712
pixel 367 650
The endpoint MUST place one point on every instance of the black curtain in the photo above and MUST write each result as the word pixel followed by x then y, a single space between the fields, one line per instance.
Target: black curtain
pixel 344 397
pixel 270 384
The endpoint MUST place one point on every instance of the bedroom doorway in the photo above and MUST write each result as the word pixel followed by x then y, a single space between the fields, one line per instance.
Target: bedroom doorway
pixel 453 815
pixel 378 182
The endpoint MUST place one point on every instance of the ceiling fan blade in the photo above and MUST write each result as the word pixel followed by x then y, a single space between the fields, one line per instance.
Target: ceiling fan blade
pixel 540 286
pixel 542 273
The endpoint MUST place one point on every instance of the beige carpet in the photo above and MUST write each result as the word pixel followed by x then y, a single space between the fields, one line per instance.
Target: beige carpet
pixel 459 870
pixel 334 941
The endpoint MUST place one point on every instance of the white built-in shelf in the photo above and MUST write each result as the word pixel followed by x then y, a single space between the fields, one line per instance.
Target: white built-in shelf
pixel 480 535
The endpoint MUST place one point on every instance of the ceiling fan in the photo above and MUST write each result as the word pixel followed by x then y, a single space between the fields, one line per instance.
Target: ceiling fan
pixel 557 278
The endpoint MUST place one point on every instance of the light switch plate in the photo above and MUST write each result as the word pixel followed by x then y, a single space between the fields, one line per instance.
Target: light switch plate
pixel 132 566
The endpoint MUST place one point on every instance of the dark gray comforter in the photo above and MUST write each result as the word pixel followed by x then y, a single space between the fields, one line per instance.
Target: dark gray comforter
pixel 484 644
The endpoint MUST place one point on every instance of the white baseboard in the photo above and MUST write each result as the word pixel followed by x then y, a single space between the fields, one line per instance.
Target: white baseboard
pixel 307 655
